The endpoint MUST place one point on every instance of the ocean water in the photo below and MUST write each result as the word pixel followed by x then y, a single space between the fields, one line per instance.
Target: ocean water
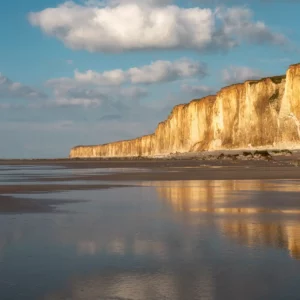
pixel 156 240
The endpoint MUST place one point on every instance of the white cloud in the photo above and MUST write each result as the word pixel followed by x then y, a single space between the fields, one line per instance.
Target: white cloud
pixel 109 99
pixel 113 3
pixel 113 77
pixel 242 2
pixel 66 102
pixel 237 21
pixel 163 71
pixel 114 26
pixel 92 88
pixel 238 74
pixel 10 89
pixel 158 71
pixel 126 26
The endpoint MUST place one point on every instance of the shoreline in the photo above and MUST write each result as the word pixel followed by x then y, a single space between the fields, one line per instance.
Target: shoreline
pixel 171 156
pixel 125 173
pixel 220 165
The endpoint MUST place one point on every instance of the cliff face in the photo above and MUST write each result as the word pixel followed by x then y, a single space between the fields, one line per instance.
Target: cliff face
pixel 263 113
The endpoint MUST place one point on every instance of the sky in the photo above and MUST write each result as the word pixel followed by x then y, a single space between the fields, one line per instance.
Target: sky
pixel 89 72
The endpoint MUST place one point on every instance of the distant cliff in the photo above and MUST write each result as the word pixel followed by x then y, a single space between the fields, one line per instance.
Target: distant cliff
pixel 261 113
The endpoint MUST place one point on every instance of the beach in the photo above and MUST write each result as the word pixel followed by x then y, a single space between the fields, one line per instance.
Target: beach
pixel 213 227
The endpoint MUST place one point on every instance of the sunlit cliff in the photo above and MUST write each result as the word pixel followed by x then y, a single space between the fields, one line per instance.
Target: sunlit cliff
pixel 262 113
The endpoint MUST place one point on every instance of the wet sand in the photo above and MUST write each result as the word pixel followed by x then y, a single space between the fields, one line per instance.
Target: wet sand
pixel 11 205
pixel 148 229
pixel 179 168
pixel 17 204
pixel 280 167
pixel 24 189
pixel 11 193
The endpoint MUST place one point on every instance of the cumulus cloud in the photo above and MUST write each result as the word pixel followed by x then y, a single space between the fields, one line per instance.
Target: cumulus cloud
pixel 10 89
pixel 237 74
pixel 93 88
pixel 237 21
pixel 109 99
pixel 113 77
pixel 69 101
pixel 77 97
pixel 126 26
pixel 116 26
pixel 222 2
pixel 163 71
pixel 113 3
pixel 158 71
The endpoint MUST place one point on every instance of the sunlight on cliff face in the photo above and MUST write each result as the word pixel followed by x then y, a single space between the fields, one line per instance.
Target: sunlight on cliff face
pixel 261 113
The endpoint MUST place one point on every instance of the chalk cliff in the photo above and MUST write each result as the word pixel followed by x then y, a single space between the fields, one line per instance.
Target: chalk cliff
pixel 262 113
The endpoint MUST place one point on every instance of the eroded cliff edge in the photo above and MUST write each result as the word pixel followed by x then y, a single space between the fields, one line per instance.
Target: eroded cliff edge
pixel 263 113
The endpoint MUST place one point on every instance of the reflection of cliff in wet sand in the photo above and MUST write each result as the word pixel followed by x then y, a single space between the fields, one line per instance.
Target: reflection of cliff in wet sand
pixel 262 113
pixel 226 195
pixel 232 198
pixel 240 220
pixel 278 234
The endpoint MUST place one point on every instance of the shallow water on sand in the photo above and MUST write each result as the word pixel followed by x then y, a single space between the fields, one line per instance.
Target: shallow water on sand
pixel 21 174
pixel 157 240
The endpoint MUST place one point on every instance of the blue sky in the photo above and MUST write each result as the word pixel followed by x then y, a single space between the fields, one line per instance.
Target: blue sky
pixel 90 72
